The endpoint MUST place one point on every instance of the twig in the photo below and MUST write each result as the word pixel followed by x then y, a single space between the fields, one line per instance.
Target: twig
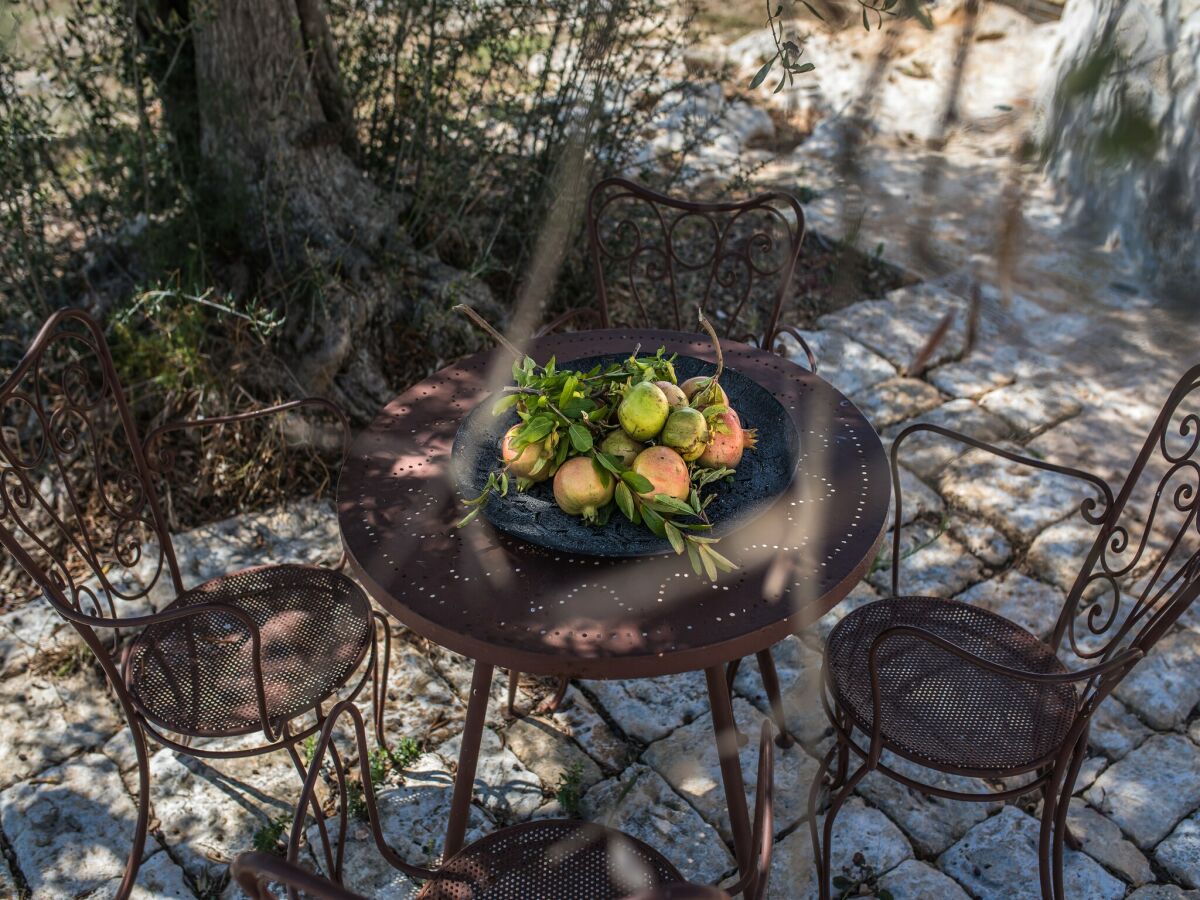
pixel 486 326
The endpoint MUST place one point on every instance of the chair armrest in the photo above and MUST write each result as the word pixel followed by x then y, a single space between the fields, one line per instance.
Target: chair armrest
pixel 165 458
pixel 1121 660
pixel 799 338
pixel 1088 508
pixel 252 871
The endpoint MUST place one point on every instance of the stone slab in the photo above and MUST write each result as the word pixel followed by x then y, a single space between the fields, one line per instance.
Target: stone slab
pixel 70 827
pixel 1032 604
pixel 1151 789
pixel 984 541
pixel 688 761
pixel 651 708
pixel 1102 840
pixel 799 670
pixel 1032 407
pixel 998 859
pixel 846 364
pixel 915 880
pixel 640 803
pixel 928 454
pixel 503 785
pixel 1165 686
pixel 931 564
pixel 895 400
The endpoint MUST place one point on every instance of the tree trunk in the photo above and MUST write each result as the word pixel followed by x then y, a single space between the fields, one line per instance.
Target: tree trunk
pixel 274 131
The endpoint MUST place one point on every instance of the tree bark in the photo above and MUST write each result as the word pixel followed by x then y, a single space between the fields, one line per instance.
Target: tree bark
pixel 274 132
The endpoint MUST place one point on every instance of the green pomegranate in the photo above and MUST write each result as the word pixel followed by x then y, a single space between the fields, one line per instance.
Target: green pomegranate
pixel 686 431
pixel 728 441
pixel 521 464
pixel 622 446
pixel 675 395
pixel 581 488
pixel 694 385
pixel 644 410
pixel 666 470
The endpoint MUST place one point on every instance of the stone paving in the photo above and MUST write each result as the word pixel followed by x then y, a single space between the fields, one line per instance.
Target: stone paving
pixel 641 752
pixel 1073 383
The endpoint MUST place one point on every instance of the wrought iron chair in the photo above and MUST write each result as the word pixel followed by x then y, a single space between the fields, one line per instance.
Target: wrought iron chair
pixel 959 689
pixel 560 858
pixel 654 255
pixel 253 651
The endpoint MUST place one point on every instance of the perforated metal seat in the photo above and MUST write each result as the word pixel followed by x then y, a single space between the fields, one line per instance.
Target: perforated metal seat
pixel 939 709
pixel 552 858
pixel 195 675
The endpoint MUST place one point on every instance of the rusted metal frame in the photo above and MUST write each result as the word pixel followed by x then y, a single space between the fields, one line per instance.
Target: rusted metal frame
pixel 763 838
pixel 795 333
pixel 600 200
pixel 322 829
pixel 1087 507
pixel 32 360
pixel 731 774
pixel 1155 439
pixel 468 758
pixel 795 238
pixel 253 872
pixel 165 458
pixel 1145 606
pixel 325 745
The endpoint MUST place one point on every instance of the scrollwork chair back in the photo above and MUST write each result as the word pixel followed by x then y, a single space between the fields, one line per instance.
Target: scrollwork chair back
pixel 657 258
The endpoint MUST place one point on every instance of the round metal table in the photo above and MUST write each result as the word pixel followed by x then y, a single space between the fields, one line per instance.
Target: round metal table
pixel 505 603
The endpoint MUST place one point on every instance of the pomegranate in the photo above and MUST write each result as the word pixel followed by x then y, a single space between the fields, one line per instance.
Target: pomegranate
pixel 693 386
pixel 581 488
pixel 643 411
pixel 727 443
pixel 686 431
pixel 521 464
pixel 666 470
pixel 622 446
pixel 675 395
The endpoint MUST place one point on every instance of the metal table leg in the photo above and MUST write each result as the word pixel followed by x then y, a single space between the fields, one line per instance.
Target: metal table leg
pixel 468 758
pixel 731 769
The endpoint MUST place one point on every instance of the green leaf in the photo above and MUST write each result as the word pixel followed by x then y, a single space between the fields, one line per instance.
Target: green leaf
pixel 605 477
pixel 624 498
pixel 466 520
pixel 609 462
pixel 782 82
pixel 581 438
pixel 806 67
pixel 506 402
pixel 762 73
pixel 536 429
pixel 710 568
pixel 673 504
pixel 812 9
pixel 694 556
pixel 654 521
pixel 866 24
pixel 725 565
pixel 550 367
pixel 568 390
pixel 503 484
pixel 694 501
pixel 541 463
pixel 640 483
pixel 674 536
pixel 560 455
pixel 841 881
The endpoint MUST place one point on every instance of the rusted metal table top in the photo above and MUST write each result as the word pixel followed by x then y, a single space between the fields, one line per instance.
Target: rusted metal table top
pixel 510 604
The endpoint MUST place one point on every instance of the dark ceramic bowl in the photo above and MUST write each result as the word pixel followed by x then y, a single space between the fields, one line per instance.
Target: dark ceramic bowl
pixel 764 473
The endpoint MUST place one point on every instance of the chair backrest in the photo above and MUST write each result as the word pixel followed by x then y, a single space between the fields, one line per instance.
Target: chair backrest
pixel 1143 570
pixel 652 253
pixel 77 503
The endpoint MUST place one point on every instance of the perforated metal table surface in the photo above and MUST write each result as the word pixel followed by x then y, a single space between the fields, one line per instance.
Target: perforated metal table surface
pixel 510 604
pixel 505 603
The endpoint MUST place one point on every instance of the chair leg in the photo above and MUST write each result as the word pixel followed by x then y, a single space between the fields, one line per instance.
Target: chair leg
pixel 379 677
pixel 843 753
pixel 1062 832
pixel 1047 839
pixel 331 865
pixel 731 670
pixel 510 707
pixel 143 812
pixel 823 846
pixel 770 680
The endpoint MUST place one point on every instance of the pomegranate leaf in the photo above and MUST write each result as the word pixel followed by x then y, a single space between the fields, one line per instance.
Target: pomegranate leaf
pixel 674 536
pixel 507 402
pixel 624 498
pixel 639 483
pixel 671 504
pixel 654 521
pixel 694 556
pixel 581 438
